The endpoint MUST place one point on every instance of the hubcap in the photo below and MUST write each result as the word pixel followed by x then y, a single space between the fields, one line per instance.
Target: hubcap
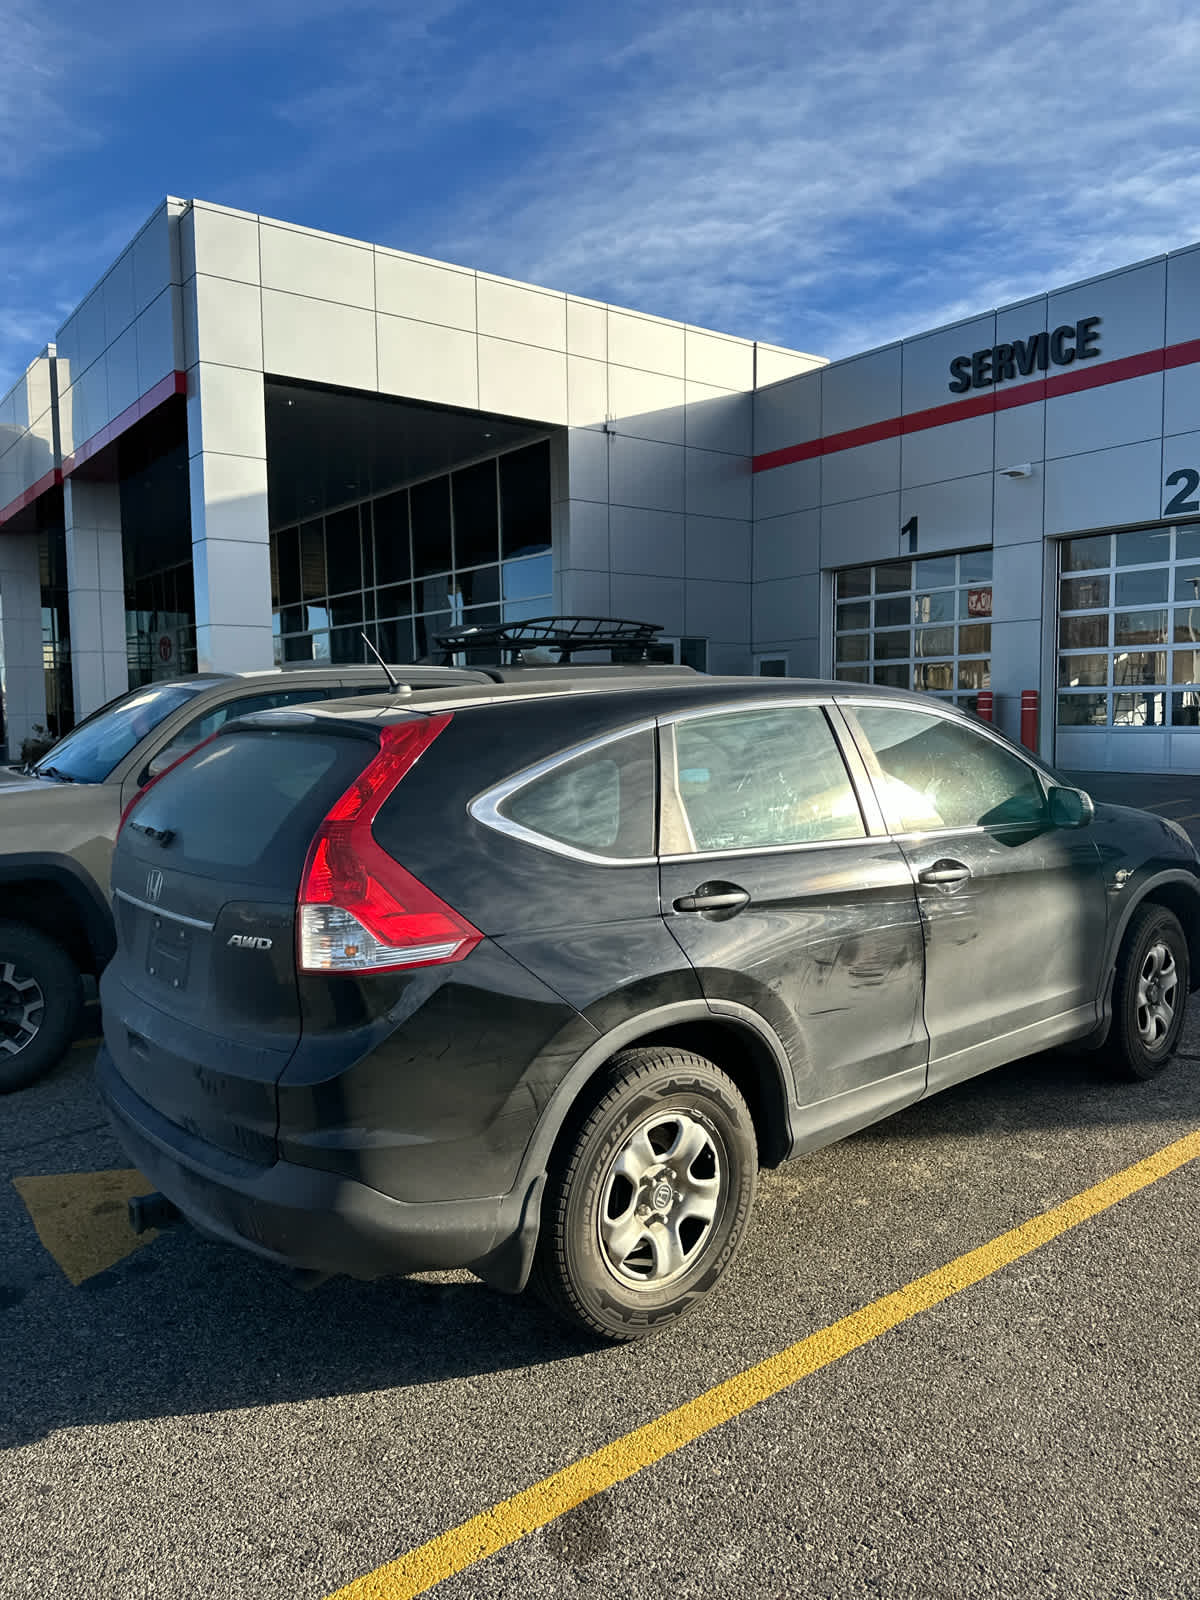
pixel 660 1199
pixel 22 1007
pixel 1157 996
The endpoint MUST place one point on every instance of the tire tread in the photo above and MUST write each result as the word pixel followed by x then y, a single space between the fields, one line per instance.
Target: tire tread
pixel 62 988
pixel 550 1278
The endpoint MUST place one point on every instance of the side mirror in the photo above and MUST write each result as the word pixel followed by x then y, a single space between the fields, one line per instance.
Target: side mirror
pixel 1071 808
pixel 159 765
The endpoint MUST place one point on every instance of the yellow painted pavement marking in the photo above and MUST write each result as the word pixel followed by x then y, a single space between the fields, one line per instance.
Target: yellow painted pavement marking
pixel 81 1218
pixel 503 1524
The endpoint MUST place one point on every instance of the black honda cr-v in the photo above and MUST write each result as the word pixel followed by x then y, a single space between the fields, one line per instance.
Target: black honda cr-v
pixel 532 976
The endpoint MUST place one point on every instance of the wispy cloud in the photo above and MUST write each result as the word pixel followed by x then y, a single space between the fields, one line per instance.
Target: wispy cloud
pixel 836 181
pixel 827 176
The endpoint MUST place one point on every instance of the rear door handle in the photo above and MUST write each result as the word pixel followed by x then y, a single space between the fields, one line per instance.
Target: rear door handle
pixel 713 899
pixel 945 874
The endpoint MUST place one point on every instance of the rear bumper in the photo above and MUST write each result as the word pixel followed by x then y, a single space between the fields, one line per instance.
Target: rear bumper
pixel 303 1217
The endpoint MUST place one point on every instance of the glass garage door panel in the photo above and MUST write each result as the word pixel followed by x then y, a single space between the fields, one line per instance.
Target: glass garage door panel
pixel 922 624
pixel 1129 630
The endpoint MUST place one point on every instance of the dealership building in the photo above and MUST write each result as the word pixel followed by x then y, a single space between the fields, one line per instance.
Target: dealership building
pixel 252 442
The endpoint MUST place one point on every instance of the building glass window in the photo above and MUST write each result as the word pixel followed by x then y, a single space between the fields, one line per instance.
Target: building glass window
pixel 1126 630
pixel 56 632
pixel 920 624
pixel 470 546
pixel 156 547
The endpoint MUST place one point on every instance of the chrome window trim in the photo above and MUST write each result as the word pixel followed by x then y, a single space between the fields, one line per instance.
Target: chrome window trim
pixel 758 702
pixel 485 808
pixel 171 916
pixel 779 849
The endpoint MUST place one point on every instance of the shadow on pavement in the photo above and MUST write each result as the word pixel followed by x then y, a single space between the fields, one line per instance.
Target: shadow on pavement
pixel 188 1326
pixel 1057 1090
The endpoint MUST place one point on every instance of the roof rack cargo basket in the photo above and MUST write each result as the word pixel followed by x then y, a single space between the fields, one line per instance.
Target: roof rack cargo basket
pixel 566 635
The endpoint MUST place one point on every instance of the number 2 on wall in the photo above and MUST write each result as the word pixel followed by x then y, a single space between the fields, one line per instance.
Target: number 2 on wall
pixel 1185 500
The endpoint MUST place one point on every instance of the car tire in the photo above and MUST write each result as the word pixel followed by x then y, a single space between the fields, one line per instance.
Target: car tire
pixel 41 995
pixel 649 1201
pixel 1150 991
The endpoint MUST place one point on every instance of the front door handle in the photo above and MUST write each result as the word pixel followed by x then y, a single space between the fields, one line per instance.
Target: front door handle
pixel 945 874
pixel 714 897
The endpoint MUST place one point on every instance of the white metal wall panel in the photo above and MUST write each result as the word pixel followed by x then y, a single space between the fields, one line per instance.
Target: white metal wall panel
pixel 787 413
pixel 1132 304
pixel 788 546
pixel 927 359
pixel 956 450
pixel 865 469
pixel 860 391
pixel 1104 488
pixel 1098 419
pixel 1183 296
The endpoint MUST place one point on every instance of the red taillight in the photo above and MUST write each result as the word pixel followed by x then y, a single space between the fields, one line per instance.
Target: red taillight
pixel 360 911
pixel 158 778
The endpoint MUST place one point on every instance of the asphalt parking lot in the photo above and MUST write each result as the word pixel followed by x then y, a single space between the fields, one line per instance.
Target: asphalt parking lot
pixel 177 1420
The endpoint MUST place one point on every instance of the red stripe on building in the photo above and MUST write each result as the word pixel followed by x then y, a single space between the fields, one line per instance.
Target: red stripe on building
pixel 1026 394
pixel 49 480
pixel 174 383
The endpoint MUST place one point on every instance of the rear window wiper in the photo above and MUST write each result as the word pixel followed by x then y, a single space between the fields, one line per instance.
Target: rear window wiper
pixel 162 836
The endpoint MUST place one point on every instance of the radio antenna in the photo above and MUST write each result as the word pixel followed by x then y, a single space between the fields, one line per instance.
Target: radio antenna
pixel 391 678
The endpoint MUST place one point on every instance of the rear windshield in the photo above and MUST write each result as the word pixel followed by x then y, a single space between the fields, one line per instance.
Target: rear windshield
pixel 247 805
pixel 95 747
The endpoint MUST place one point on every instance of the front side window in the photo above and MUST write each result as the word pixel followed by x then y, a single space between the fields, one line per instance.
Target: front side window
pixel 600 801
pixel 940 774
pixel 208 723
pixel 756 779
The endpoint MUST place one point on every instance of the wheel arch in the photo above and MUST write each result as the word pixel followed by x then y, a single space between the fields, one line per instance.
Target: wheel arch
pixel 731 1036
pixel 51 894
pixel 1177 893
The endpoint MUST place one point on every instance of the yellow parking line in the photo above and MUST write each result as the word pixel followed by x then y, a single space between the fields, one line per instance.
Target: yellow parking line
pixel 503 1524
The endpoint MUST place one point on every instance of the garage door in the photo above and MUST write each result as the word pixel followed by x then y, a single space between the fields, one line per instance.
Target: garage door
pixel 921 624
pixel 1128 693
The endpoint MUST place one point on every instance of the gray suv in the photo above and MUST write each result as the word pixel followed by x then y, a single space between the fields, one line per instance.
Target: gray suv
pixel 58 820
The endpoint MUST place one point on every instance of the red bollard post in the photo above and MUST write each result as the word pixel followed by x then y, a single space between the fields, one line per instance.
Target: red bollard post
pixel 1029 718
pixel 983 705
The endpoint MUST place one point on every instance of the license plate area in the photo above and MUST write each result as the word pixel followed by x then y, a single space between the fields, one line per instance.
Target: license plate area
pixel 169 953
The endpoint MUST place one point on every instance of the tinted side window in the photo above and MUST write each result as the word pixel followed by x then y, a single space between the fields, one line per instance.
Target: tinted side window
pixel 758 778
pixel 939 774
pixel 601 800
pixel 203 726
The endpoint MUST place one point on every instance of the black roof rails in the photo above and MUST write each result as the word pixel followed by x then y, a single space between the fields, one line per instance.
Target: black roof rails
pixel 564 634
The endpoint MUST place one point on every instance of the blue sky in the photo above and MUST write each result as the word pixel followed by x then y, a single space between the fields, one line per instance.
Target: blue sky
pixel 828 176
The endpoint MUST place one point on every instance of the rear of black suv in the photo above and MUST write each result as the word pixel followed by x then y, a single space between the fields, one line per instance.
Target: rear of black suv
pixel 325 1038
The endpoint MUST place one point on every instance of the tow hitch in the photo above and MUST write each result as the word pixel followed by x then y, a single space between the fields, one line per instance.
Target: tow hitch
pixel 148 1211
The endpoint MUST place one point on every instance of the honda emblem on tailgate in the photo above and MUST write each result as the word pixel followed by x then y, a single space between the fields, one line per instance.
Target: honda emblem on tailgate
pixel 154 885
